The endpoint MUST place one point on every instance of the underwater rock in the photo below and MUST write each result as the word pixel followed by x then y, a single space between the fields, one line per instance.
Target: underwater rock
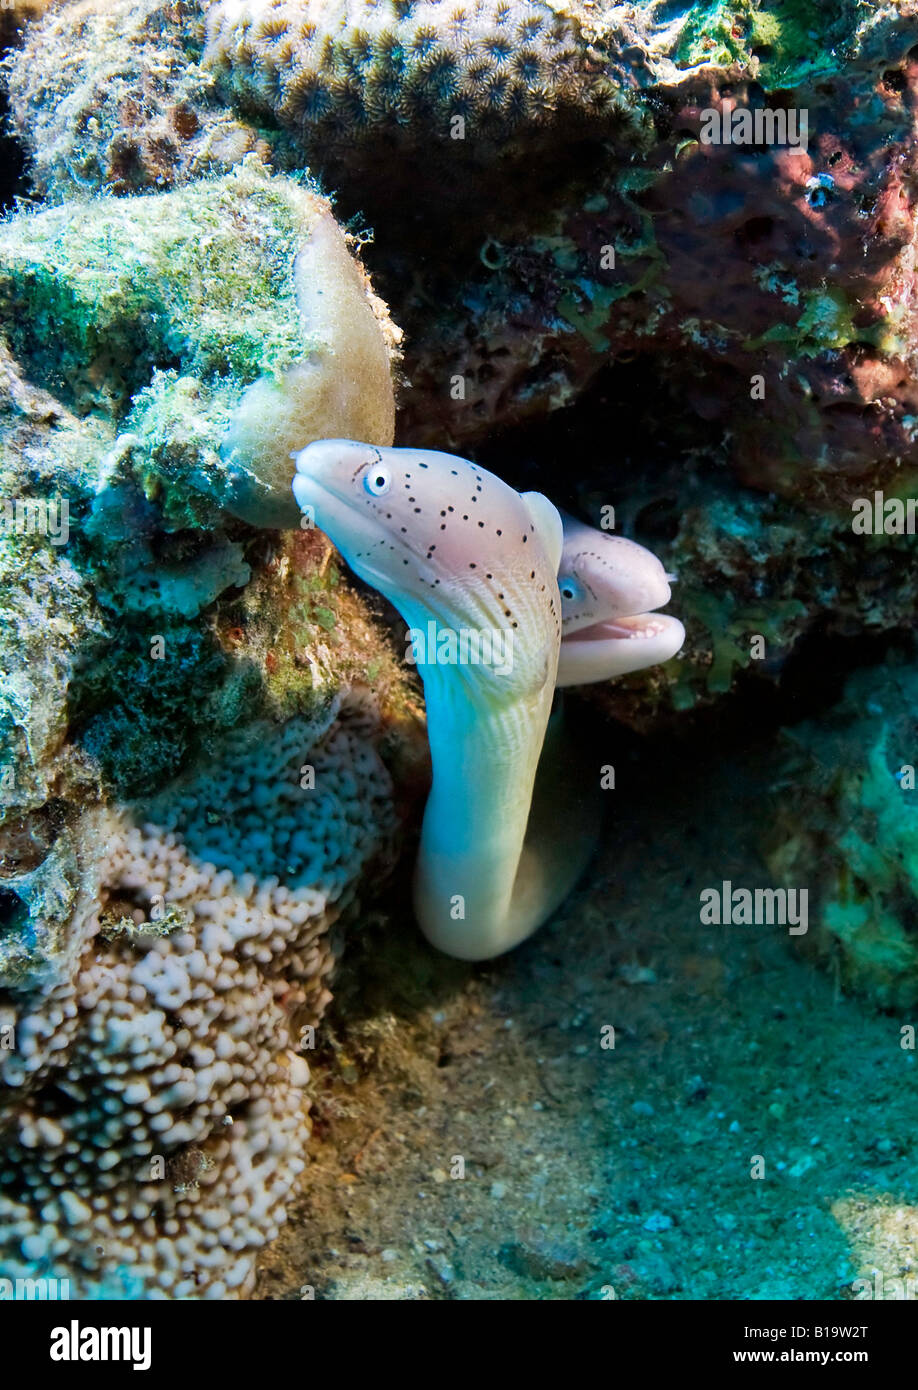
pixel 219 327
pixel 51 620
pixel 109 95
pixel 846 829
pixel 190 715
pixel 757 578
pixel 142 403
pixel 153 1112
pixel 16 13
pixel 772 285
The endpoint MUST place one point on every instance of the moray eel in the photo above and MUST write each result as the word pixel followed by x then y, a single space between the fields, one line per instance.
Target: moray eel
pixel 456 550
pixel 449 543
pixel 609 589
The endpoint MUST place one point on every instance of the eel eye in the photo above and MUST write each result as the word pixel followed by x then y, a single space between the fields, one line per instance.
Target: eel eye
pixel 377 480
pixel 571 588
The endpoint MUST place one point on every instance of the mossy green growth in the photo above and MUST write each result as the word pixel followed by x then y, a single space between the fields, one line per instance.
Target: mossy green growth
pixel 95 294
pixel 213 328
pixel 789 40
pixel 826 325
pixel 850 833
pixel 732 630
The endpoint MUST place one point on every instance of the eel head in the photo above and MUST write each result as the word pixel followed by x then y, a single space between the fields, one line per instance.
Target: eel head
pixel 444 541
pixel 610 590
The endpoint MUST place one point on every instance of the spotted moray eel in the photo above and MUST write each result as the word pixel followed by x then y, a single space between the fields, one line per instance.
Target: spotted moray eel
pixel 447 542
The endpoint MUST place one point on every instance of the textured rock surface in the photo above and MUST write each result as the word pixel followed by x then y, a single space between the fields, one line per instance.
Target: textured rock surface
pixel 233 305
pixel 190 715
pixel 849 833
pixel 134 361
pixel 108 94
pixel 154 1119
pixel 726 264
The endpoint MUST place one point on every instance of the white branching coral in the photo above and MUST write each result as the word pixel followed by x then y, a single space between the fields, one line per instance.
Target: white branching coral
pixel 154 1120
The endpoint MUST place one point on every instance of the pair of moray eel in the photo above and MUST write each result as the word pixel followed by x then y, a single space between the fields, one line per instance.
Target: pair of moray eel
pixel 507 828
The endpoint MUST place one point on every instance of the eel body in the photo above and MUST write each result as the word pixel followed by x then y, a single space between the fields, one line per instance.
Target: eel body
pixel 451 544
pixel 472 566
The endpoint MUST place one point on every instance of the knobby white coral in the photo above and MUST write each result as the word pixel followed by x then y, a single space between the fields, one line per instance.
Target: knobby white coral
pixel 153 1119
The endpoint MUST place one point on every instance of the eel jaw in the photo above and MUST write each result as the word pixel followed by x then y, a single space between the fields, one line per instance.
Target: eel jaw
pixel 618 647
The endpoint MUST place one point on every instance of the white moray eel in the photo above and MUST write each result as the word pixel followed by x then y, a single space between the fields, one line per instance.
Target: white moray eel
pixel 609 589
pixel 452 545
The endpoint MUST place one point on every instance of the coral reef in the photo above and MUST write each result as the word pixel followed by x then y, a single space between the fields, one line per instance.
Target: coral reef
pixel 773 287
pixel 189 779
pixel 131 308
pixel 717 338
pixel 358 75
pixel 133 362
pixel 154 1120
pixel 849 833
pixel 758 580
pixel 110 95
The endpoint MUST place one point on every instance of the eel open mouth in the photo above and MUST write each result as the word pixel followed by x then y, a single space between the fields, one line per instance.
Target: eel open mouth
pixel 638 628
pixel 618 647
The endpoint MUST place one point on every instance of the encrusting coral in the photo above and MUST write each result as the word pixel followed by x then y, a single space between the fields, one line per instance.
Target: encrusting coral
pixel 190 782
pixel 154 1114
pixel 139 327
pixel 109 95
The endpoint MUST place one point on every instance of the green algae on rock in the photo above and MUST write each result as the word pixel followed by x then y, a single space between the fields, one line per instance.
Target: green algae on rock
pixel 847 829
pixel 139 333
pixel 232 307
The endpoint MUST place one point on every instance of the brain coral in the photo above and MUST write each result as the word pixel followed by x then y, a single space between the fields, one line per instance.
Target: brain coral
pixel 153 1119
